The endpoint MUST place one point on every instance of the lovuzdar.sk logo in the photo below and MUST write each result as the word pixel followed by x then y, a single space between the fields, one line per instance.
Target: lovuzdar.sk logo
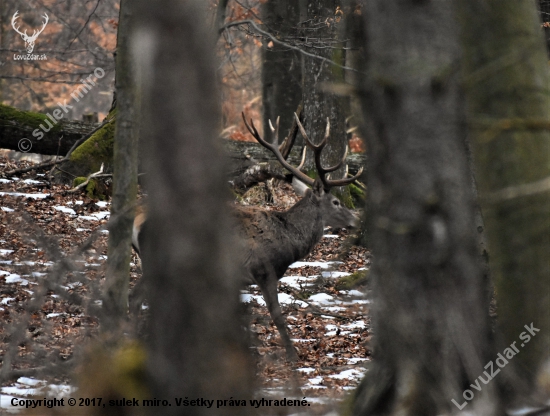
pixel 29 39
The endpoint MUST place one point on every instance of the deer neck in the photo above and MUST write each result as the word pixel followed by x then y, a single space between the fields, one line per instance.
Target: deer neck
pixel 304 222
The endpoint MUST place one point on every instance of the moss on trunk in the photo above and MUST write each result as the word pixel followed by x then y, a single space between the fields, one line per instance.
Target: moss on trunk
pixel 88 157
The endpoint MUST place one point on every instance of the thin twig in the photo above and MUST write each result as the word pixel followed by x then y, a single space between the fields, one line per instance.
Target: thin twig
pixel 287 45
pixel 91 176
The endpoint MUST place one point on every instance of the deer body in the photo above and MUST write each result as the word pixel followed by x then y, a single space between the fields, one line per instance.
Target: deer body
pixel 274 240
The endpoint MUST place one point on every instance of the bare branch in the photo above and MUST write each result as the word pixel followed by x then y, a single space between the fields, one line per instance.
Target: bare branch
pixel 285 44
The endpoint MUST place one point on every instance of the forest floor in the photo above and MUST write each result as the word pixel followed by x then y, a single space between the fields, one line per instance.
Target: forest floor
pixel 53 247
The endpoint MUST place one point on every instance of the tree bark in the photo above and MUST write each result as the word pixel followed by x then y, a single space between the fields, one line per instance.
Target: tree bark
pixel 429 313
pixel 240 153
pixel 506 79
pixel 320 31
pixel 125 171
pixel 281 68
pixel 195 343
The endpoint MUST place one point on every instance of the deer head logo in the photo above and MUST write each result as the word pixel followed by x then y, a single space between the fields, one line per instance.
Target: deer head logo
pixel 29 40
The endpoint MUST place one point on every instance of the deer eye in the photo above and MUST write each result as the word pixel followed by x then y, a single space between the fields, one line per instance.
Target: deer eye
pixel 336 202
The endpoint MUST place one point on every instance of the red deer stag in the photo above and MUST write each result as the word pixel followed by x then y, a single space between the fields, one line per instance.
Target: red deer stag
pixel 275 240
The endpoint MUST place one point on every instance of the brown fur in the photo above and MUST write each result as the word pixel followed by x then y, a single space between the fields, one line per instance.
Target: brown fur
pixel 275 240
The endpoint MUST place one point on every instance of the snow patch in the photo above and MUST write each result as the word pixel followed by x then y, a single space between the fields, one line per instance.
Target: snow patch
pixel 15 278
pixel 66 210
pixel 297 281
pixel 334 274
pixel 321 264
pixel 34 196
pixel 321 298
pixel 352 374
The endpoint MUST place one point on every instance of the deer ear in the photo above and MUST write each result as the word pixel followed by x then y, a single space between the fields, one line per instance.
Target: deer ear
pixel 299 187
pixel 318 187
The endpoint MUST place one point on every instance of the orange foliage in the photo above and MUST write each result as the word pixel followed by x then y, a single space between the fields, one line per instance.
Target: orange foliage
pixel 356 144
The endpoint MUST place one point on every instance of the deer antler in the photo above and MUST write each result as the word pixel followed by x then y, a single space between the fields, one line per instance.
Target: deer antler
pixel 317 149
pixel 274 148
pixel 288 142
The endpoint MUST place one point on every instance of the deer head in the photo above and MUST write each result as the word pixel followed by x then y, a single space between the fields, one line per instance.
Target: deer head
pixel 334 213
pixel 29 40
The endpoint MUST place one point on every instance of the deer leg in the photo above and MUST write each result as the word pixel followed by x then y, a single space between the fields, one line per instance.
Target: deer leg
pixel 269 290
pixel 136 297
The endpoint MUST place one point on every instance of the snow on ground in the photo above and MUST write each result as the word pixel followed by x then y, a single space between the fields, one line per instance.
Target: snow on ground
pixel 26 387
pixel 328 326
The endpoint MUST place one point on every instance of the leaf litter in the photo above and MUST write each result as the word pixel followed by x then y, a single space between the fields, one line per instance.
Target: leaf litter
pixel 329 326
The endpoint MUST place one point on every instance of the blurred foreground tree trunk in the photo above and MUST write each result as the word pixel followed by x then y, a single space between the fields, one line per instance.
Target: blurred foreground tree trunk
pixel 195 342
pixel 430 314
pixel 507 84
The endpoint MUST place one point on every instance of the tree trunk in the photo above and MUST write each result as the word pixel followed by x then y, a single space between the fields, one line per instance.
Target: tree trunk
pixel 237 151
pixel 544 9
pixel 320 32
pixel 281 68
pixel 430 313
pixel 125 170
pixel 507 81
pixel 195 343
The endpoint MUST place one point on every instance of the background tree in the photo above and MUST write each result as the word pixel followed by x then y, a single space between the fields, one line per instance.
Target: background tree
pixel 430 312
pixel 320 35
pixel 125 171
pixel 195 342
pixel 281 66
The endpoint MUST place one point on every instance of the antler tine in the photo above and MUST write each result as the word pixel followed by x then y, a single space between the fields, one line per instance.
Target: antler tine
pixel 327 130
pixel 303 161
pixel 337 166
pixel 317 149
pixel 274 148
pixel 346 181
pixel 313 147
pixel 275 130
pixel 288 143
